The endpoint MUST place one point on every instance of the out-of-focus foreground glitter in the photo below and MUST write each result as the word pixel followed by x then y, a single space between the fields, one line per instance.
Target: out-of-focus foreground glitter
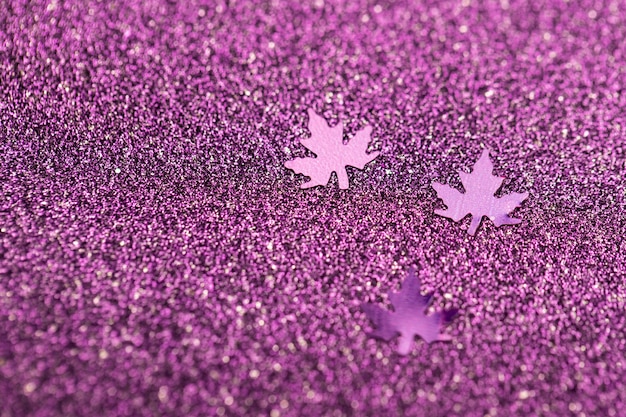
pixel 157 258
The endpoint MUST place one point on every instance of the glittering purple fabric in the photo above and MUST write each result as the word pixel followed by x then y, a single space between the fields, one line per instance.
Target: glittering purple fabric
pixel 158 259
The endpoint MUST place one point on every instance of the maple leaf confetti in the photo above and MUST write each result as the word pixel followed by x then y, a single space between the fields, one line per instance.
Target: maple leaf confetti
pixel 478 199
pixel 409 317
pixel 332 155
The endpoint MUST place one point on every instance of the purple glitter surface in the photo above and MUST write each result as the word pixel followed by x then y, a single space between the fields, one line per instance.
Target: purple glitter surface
pixel 158 259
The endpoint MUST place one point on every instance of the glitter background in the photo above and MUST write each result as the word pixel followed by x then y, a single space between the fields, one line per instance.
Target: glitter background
pixel 156 258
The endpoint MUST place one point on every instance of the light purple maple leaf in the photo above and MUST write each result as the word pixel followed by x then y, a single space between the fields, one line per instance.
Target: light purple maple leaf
pixel 332 155
pixel 478 199
pixel 408 318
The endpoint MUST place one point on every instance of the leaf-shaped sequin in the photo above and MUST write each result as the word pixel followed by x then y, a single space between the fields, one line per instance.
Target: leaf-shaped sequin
pixel 409 317
pixel 332 155
pixel 478 199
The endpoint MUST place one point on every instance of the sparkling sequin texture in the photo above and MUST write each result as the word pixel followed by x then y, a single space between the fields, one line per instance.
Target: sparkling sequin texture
pixel 157 258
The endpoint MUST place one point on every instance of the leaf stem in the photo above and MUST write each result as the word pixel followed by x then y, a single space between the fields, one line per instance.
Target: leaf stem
pixel 342 177
pixel 474 225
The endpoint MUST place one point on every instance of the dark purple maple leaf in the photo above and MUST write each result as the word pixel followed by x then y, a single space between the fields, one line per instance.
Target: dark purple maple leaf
pixel 478 199
pixel 408 318
pixel 332 155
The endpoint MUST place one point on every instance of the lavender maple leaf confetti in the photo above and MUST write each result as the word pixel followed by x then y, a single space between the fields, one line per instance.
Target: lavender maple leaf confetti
pixel 332 155
pixel 478 199
pixel 409 317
